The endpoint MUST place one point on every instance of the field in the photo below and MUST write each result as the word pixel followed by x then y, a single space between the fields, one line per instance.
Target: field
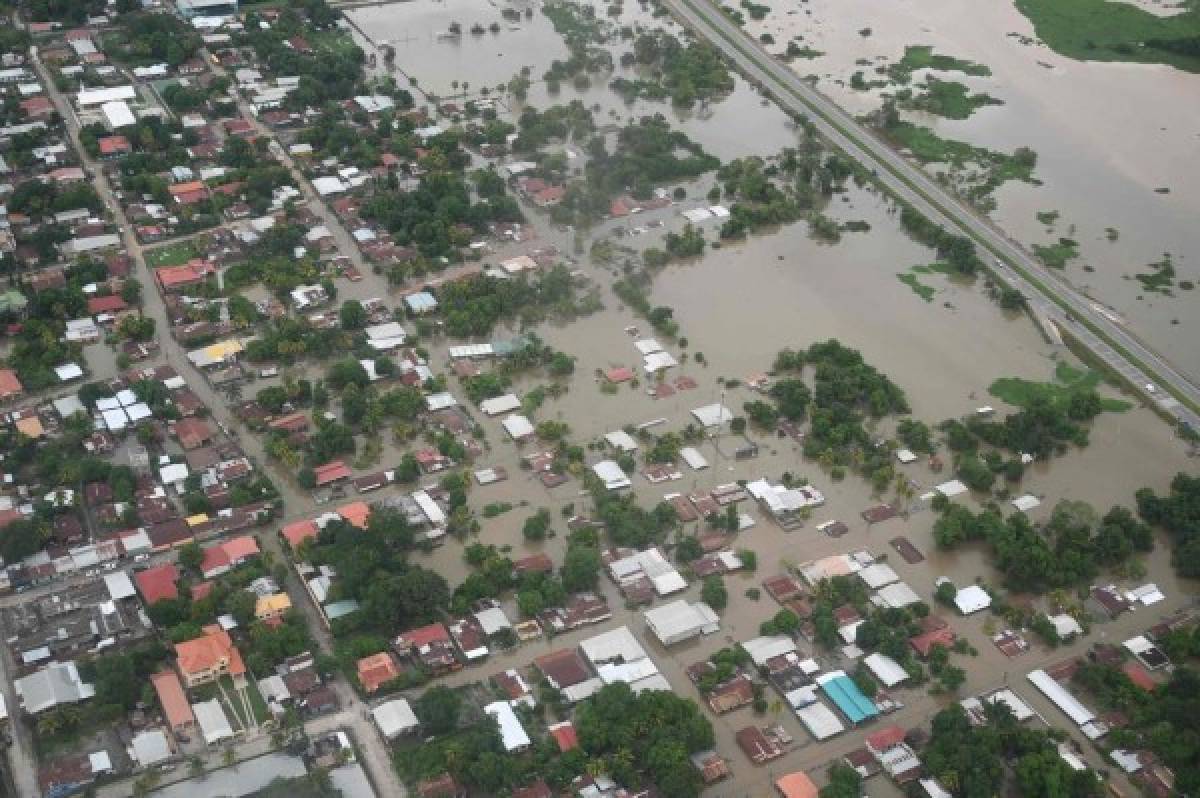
pixel 171 254
pixel 1098 30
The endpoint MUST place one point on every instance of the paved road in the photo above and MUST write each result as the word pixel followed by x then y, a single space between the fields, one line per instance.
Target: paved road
pixel 1051 297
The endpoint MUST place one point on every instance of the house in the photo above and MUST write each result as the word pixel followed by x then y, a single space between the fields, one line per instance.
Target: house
pixel 512 733
pixel 431 646
pixel 192 433
pixel 681 620
pixel 757 746
pixel 924 642
pixel 56 684
pixel 114 146
pixel 227 555
pixel 564 735
pixel 331 472
pixel 394 718
pixel 173 700
pixel 158 583
pixel 111 304
pixel 377 670
pixel 10 385
pixel 268 608
pixel 209 656
pixel 731 694
pixel 796 785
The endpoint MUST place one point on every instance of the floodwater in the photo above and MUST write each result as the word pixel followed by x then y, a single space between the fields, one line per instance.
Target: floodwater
pixel 739 305
pixel 1107 137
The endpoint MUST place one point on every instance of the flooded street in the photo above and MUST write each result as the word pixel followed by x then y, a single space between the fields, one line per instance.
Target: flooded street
pixel 1108 136
pixel 742 302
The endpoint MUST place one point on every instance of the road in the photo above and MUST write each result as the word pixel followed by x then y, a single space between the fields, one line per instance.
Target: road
pixel 299 505
pixel 1049 295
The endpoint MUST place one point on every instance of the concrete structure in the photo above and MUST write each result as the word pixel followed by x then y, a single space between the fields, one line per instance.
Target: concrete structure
pixel 394 718
pixel 681 620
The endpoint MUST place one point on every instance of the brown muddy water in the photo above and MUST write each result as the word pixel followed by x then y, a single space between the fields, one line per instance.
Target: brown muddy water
pixel 1107 137
pixel 739 305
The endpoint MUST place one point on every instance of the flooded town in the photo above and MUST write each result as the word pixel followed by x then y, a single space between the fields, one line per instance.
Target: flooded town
pixel 534 398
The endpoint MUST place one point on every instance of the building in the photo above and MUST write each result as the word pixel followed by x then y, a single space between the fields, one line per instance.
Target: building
pixel 214 725
pixel 208 657
pixel 796 785
pixel 173 700
pixel 10 386
pixel 512 733
pixel 844 693
pixel 611 475
pixel 56 684
pixel 681 620
pixel 207 8
pixel 224 557
pixel 377 670
pixel 757 746
pixel 158 583
pixel 271 607
pixel 394 718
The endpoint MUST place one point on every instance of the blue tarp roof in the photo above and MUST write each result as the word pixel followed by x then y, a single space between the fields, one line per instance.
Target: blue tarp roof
pixel 849 699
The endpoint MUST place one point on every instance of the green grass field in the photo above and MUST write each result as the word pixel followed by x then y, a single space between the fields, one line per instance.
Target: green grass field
pixel 1099 30
pixel 171 254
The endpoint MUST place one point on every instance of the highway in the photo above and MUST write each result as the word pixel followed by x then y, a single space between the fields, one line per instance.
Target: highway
pixel 1048 295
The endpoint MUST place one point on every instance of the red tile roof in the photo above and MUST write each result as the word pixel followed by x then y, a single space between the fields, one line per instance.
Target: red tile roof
pixel 174 701
pixel 206 652
pixel 885 738
pixel 331 472
pixel 355 513
pixel 297 532
pixel 376 670
pixel 417 638
pixel 565 735
pixel 10 385
pixel 924 643
pixel 111 145
pixel 158 583
pixel 113 303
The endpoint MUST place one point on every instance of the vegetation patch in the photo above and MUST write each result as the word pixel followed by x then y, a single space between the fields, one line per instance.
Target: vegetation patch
pixel 946 98
pixel 919 288
pixel 1057 255
pixel 1068 382
pixel 1161 277
pixel 1048 218
pixel 923 57
pixel 796 50
pixel 1098 30
pixel 975 171
pixel 172 254
pixel 685 73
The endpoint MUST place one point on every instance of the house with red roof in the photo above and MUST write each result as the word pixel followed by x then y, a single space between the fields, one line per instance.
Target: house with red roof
pixel 331 472
pixel 174 701
pixel 431 646
pixel 565 735
pixel 355 513
pixel 192 433
pixel 158 583
pixel 297 532
pixel 924 642
pixel 189 193
pixel 208 657
pixel 224 557
pixel 377 670
pixel 10 385
pixel 111 304
pixel 114 146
